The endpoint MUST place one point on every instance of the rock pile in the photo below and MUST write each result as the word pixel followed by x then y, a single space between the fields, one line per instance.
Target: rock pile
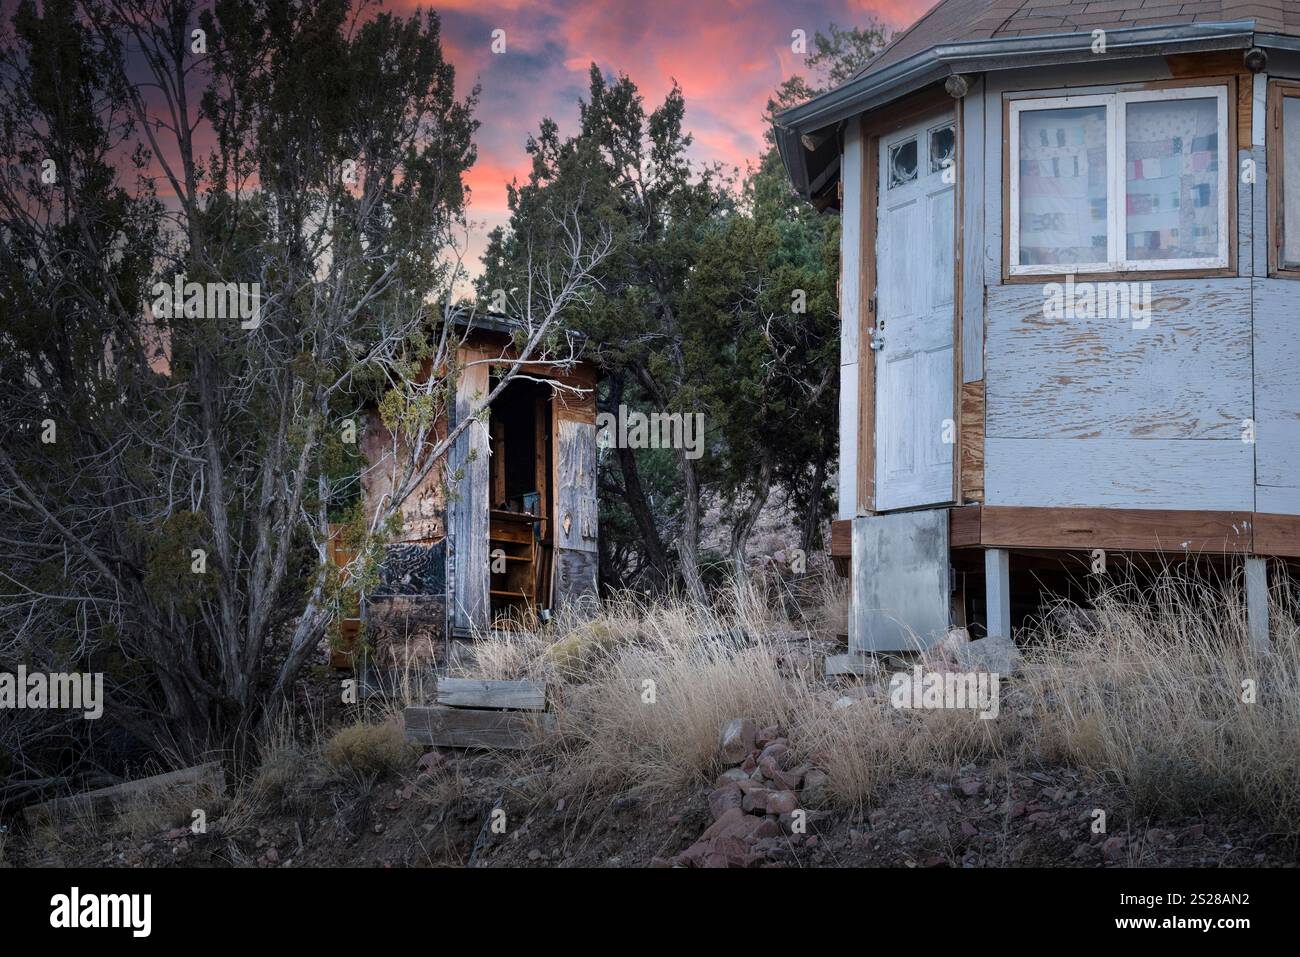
pixel 758 804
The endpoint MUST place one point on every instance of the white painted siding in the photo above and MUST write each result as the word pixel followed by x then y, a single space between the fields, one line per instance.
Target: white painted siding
pixel 850 301
pixel 1092 412
pixel 1277 395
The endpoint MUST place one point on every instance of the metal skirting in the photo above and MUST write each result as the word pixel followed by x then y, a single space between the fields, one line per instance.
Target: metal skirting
pixel 900 581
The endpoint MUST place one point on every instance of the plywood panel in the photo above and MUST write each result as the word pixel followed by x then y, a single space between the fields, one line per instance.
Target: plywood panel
pixel 1216 475
pixel 1186 376
pixel 851 243
pixel 972 442
pixel 971 159
pixel 1277 394
pixel 850 448
pixel 995 207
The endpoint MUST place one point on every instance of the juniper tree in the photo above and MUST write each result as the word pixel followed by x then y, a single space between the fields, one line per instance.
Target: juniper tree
pixel 172 531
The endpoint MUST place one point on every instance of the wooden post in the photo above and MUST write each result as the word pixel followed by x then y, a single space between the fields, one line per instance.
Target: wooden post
pixel 1257 603
pixel 997 591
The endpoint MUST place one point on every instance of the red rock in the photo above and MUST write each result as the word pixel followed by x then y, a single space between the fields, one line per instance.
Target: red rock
pixel 756 800
pixel 779 751
pixel 1015 809
pixel 771 769
pixel 736 823
pixel 724 799
pixel 767 735
pixel 430 760
pixel 733 776
pixel 733 853
pixel 968 829
pixel 970 787
pixel 781 802
pixel 1113 848
pixel 736 739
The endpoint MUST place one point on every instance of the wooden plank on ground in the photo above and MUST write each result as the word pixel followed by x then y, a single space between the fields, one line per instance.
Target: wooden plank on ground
pixel 207 777
pixel 481 693
pixel 464 728
pixel 853 663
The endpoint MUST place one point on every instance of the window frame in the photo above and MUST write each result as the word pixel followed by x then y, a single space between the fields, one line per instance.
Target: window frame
pixel 1278 91
pixel 1116 103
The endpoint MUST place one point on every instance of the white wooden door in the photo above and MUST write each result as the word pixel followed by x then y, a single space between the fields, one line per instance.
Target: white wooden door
pixel 913 331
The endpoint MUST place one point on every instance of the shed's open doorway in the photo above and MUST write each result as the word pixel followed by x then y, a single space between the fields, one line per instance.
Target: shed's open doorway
pixel 520 498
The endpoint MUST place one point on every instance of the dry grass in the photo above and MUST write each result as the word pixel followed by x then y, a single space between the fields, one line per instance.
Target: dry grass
pixel 1146 692
pixel 1152 694
pixel 290 765
pixel 369 749
pixel 146 815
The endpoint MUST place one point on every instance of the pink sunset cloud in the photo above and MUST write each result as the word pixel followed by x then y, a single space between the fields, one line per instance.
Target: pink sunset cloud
pixel 728 57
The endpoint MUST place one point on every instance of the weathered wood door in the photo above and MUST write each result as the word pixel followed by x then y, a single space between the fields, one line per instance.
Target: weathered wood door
pixel 467 505
pixel 913 332
pixel 575 520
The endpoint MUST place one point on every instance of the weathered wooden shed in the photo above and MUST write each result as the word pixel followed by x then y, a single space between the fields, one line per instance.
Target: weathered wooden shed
pixel 507 522
pixel 1071 316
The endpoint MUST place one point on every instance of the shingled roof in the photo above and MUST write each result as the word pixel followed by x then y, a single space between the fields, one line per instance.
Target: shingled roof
pixel 955 21
pixel 974 36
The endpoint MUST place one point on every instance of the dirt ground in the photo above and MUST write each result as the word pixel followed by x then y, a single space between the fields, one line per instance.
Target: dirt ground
pixel 443 817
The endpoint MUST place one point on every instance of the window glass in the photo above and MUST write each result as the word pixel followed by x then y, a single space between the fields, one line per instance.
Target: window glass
pixel 1171 176
pixel 1291 180
pixel 1063 210
pixel 902 163
pixel 943 147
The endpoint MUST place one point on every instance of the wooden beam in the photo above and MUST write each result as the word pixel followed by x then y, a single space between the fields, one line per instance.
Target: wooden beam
pixel 1277 535
pixel 964 526
pixel 464 728
pixel 481 693
pixel 997 591
pixel 207 778
pixel 842 538
pixel 1127 529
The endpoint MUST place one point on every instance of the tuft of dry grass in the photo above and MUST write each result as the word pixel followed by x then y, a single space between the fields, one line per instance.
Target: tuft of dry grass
pixel 369 749
pixel 146 815
pixel 869 744
pixel 1159 691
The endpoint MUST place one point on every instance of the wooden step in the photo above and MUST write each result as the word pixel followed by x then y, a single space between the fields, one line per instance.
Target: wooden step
pixel 483 693
pixel 469 728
